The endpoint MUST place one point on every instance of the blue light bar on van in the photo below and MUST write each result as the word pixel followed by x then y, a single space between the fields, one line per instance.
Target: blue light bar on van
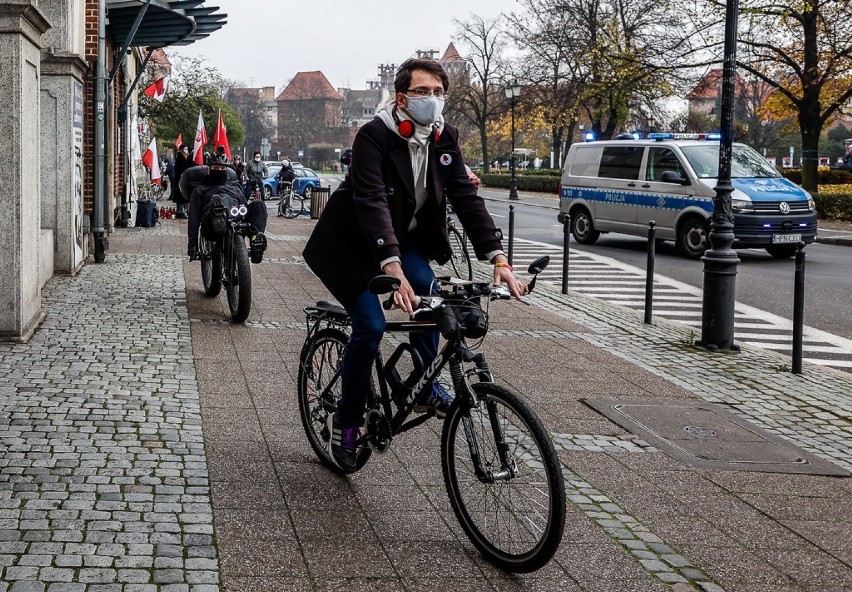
pixel 668 136
pixel 590 136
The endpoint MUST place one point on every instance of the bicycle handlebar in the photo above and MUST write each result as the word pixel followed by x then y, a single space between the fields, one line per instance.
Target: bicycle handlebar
pixel 382 284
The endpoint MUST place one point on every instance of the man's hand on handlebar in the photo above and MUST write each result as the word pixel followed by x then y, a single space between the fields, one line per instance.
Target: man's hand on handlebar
pixel 404 298
pixel 503 275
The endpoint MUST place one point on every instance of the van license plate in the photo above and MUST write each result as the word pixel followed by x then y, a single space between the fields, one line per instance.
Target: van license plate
pixel 786 238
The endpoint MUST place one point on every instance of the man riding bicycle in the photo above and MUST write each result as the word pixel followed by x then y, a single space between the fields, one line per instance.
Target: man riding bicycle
pixel 255 172
pixel 209 206
pixel 389 216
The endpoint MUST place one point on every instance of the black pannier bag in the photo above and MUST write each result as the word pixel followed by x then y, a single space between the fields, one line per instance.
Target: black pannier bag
pixel 147 213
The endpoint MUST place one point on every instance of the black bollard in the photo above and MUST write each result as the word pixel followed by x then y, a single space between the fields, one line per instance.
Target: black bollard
pixel 511 234
pixel 566 232
pixel 798 308
pixel 649 271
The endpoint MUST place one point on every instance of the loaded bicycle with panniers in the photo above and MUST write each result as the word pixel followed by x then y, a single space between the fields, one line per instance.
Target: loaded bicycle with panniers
pixel 225 259
pixel 500 468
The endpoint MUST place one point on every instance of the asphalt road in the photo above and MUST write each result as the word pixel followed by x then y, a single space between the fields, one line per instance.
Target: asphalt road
pixel 762 281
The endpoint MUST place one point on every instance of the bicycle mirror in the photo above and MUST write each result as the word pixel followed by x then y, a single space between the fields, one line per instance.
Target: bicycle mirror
pixel 539 265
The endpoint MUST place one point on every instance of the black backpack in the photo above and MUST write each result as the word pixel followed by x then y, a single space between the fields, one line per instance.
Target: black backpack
pixel 147 213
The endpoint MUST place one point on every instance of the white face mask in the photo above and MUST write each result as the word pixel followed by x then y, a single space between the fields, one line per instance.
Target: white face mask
pixel 425 110
pixel 257 159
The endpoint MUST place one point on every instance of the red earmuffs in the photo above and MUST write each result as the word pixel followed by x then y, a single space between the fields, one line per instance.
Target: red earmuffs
pixel 403 126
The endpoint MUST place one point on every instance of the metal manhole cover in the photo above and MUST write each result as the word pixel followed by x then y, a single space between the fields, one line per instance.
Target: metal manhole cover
pixel 700 432
pixel 710 436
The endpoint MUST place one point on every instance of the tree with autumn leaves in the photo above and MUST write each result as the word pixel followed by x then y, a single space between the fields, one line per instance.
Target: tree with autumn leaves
pixel 802 49
pixel 608 63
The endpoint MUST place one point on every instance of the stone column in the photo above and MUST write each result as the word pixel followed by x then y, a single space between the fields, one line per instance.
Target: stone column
pixel 21 28
pixel 62 154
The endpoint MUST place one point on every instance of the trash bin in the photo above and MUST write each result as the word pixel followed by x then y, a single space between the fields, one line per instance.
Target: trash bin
pixel 318 200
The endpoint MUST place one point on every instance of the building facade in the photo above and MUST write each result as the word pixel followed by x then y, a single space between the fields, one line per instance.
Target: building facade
pixel 66 97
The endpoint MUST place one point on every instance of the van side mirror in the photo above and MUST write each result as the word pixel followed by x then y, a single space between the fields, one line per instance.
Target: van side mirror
pixel 673 177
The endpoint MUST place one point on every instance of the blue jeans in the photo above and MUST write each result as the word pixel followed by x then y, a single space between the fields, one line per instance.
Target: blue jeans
pixel 368 327
pixel 181 207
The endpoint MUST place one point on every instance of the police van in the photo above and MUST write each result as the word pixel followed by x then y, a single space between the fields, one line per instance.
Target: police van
pixel 621 185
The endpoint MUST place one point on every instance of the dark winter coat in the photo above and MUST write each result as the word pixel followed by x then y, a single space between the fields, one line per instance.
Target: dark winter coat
pixel 367 217
pixel 181 164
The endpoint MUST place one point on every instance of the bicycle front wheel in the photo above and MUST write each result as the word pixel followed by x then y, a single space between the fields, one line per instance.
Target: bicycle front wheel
pixel 504 479
pixel 238 286
pixel 319 391
pixel 460 259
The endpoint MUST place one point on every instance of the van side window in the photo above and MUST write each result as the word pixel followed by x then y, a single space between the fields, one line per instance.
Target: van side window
pixel 621 162
pixel 661 160
pixel 586 161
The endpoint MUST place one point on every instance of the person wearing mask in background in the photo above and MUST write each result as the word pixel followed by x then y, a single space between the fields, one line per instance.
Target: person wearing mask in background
pixel 255 174
pixel 390 216
pixel 285 176
pixel 182 162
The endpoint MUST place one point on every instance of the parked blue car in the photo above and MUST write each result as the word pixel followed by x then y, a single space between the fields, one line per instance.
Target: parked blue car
pixel 305 183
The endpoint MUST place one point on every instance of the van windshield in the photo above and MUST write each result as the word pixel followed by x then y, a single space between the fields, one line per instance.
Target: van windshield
pixel 745 162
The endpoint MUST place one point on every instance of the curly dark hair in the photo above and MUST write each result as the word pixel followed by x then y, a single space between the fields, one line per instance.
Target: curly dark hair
pixel 430 65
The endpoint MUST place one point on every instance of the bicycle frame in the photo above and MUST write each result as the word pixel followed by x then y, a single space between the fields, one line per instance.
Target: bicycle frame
pixel 454 352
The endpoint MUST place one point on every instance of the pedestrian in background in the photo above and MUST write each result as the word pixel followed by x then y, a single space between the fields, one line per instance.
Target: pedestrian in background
pixel 182 162
pixel 255 174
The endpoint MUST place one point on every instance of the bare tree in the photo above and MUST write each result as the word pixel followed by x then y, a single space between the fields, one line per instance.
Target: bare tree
pixel 478 97
pixel 553 65
pixel 603 60
pixel 248 103
pixel 308 115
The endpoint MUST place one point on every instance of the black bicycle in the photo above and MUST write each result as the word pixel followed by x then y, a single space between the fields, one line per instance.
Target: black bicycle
pixel 225 262
pixel 460 259
pixel 500 468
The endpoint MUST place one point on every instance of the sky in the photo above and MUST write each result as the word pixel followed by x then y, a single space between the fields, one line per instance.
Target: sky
pixel 266 42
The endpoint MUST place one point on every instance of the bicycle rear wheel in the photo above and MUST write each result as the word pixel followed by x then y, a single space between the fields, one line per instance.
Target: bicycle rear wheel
pixel 460 259
pixel 513 509
pixel 211 267
pixel 238 286
pixel 319 368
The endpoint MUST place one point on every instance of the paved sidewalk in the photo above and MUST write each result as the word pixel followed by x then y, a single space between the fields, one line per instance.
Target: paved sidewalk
pixel 148 445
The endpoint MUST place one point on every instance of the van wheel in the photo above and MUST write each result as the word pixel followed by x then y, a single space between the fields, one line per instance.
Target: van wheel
pixel 692 237
pixel 781 251
pixel 582 227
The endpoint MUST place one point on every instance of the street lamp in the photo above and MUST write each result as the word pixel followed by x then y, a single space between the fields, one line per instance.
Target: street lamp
pixel 720 261
pixel 513 91
pixel 651 122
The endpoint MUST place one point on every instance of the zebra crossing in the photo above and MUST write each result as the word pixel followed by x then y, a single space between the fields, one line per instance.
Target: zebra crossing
pixel 619 283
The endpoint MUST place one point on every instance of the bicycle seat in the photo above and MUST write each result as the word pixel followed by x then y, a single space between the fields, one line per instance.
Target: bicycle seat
pixel 327 310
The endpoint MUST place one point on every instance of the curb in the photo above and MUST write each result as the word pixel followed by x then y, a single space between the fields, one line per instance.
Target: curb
pixel 838 240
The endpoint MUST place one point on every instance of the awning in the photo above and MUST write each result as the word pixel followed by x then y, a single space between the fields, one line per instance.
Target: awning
pixel 165 22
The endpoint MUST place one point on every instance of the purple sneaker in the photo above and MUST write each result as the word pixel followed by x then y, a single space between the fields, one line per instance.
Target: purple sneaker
pixel 343 445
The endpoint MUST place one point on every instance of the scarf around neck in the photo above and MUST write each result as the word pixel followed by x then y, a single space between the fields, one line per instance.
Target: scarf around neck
pixel 418 143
